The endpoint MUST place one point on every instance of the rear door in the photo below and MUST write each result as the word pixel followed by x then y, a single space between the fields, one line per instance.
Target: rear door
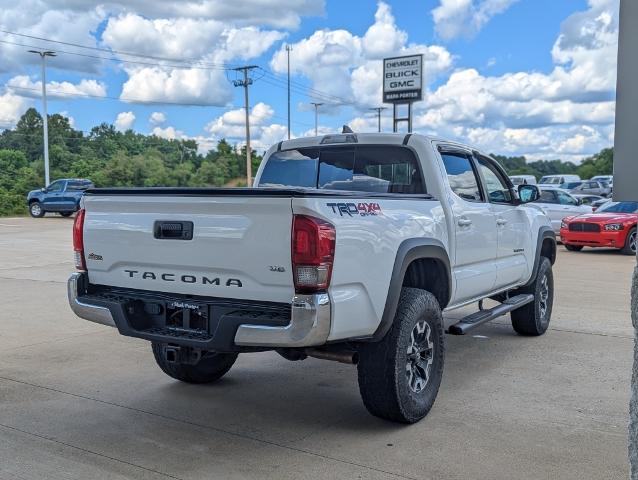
pixel 475 235
pixel 239 247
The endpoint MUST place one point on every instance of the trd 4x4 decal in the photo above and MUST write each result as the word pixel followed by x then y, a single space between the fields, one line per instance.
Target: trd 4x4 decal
pixel 363 209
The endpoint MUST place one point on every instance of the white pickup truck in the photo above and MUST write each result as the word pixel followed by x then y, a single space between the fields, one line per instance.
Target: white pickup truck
pixel 349 248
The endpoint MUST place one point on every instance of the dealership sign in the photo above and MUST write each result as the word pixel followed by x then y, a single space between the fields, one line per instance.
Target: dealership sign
pixel 403 79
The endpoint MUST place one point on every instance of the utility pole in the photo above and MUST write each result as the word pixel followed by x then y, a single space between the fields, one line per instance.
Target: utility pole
pixel 378 110
pixel 317 105
pixel 45 119
pixel 288 50
pixel 246 82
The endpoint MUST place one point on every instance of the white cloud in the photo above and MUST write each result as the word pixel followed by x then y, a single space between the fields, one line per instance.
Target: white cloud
pixel 23 85
pixel 157 118
pixel 213 43
pixel 39 18
pixel 124 121
pixel 454 18
pixel 564 113
pixel 232 126
pixel 11 109
pixel 348 68
pixel 169 133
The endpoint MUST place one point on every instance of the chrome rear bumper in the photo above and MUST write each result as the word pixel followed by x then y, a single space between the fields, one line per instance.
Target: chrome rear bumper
pixel 309 325
pixel 92 313
pixel 310 320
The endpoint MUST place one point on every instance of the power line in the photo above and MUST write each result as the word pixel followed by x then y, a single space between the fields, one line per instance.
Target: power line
pixel 192 63
pixel 118 52
pixel 119 60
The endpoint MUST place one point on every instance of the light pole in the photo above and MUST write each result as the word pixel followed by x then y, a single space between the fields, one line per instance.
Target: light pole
pixel 317 105
pixel 45 121
pixel 288 50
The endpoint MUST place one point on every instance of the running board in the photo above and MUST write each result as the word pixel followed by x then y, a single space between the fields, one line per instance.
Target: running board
pixel 483 316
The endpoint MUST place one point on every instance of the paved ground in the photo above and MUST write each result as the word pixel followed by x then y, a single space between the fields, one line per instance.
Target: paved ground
pixel 79 401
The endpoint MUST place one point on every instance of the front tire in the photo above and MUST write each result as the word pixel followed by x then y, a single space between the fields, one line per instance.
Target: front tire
pixel 66 214
pixel 574 248
pixel 36 210
pixel 211 367
pixel 533 319
pixel 630 243
pixel 399 376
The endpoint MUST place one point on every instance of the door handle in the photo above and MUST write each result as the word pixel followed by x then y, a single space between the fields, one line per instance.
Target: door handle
pixel 465 222
pixel 501 221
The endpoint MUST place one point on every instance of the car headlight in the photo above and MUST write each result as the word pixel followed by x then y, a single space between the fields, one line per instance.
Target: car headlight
pixel 563 224
pixel 613 227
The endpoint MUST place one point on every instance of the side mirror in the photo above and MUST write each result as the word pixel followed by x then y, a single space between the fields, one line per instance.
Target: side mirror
pixel 579 201
pixel 43 189
pixel 528 193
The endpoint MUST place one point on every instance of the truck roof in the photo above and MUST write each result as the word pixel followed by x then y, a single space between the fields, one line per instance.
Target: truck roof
pixel 355 138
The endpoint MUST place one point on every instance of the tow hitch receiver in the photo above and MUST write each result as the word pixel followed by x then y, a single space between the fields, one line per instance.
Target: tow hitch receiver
pixel 182 355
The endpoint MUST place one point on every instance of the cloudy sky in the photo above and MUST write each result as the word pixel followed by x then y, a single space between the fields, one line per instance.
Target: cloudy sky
pixel 515 77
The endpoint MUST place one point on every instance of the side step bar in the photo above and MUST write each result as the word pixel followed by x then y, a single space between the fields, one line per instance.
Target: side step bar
pixel 483 316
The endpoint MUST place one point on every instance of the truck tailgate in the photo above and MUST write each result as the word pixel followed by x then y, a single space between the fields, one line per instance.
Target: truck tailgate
pixel 240 246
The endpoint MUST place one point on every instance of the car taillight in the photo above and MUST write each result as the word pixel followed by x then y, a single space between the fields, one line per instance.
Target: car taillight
pixel 313 250
pixel 78 240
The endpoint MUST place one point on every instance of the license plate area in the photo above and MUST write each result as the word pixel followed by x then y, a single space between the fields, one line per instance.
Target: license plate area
pixel 187 316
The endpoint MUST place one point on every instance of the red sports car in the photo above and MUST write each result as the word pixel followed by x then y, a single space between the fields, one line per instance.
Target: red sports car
pixel 612 225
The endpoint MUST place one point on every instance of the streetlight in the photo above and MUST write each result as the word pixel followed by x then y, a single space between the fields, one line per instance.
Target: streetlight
pixel 43 54
pixel 317 105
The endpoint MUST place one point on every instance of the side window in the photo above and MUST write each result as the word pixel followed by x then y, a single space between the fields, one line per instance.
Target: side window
pixel 56 186
pixel 461 175
pixel 565 199
pixel 497 189
pixel 547 196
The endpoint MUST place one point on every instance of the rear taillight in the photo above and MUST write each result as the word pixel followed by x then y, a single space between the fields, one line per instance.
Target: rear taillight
pixel 78 240
pixel 313 250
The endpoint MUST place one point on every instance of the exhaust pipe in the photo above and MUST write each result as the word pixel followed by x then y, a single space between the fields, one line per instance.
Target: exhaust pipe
pixel 342 356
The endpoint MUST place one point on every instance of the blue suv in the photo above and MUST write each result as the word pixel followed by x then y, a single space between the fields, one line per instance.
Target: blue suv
pixel 62 196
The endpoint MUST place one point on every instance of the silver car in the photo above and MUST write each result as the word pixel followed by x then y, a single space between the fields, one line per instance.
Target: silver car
pixel 558 204
pixel 593 187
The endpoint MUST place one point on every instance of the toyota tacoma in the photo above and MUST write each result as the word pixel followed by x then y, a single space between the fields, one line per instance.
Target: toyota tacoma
pixel 349 247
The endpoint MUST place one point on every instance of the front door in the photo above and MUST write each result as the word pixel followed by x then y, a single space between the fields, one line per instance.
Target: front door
pixel 514 250
pixel 52 198
pixel 474 228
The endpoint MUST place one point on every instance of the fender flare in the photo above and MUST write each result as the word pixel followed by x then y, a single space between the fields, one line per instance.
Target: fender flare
pixel 544 233
pixel 410 250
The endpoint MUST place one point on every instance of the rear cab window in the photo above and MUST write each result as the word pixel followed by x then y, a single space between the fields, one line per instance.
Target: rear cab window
pixel 78 186
pixel 360 168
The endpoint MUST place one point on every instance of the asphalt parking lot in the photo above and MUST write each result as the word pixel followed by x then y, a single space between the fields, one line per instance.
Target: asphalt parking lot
pixel 79 401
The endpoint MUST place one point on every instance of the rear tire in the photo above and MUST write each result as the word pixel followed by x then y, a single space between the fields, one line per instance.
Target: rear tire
pixel 36 210
pixel 210 368
pixel 399 376
pixel 533 319
pixel 573 248
pixel 630 243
